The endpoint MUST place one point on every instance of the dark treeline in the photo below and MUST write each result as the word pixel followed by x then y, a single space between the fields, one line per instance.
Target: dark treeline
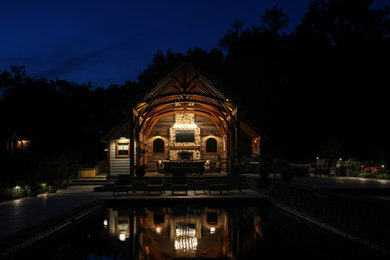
pixel 317 91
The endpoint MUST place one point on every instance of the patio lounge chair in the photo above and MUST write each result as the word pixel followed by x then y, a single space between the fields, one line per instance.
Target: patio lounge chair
pixel 230 182
pixel 155 184
pixel 179 182
pixel 139 183
pixel 122 185
pixel 198 184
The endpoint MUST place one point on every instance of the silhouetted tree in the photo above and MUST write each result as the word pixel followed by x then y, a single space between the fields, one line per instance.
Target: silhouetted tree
pixel 162 64
pixel 274 20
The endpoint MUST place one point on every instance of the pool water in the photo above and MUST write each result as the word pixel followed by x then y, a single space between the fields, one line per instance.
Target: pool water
pixel 121 231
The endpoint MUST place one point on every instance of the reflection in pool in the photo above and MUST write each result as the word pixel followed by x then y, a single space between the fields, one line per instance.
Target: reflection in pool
pixel 203 232
pixel 181 231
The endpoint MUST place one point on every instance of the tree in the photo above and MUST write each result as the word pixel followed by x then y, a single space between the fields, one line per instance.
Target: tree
pixel 274 20
pixel 163 63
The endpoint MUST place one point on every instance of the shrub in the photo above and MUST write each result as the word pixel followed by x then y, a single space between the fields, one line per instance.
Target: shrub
pixel 385 176
pixel 367 175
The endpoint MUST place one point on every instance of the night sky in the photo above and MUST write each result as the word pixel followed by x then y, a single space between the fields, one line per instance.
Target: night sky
pixel 109 42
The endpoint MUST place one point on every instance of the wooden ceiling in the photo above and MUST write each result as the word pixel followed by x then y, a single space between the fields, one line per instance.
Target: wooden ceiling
pixel 185 90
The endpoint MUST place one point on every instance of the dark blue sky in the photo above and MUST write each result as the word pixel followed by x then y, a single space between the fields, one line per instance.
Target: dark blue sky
pixel 111 41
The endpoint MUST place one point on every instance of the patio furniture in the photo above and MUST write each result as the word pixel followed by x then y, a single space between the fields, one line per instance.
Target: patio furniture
pixel 325 166
pixel 179 182
pixel 123 184
pixel 196 167
pixel 222 162
pixel 160 166
pixel 278 166
pixel 230 182
pixel 139 183
pixel 198 184
pixel 155 184
pixel 209 166
pixel 321 167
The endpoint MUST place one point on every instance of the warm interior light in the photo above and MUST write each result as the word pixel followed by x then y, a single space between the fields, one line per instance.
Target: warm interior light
pixel 185 232
pixel 212 230
pixel 186 244
pixel 185 126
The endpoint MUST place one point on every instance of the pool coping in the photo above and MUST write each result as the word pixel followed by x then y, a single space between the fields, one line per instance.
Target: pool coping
pixel 15 243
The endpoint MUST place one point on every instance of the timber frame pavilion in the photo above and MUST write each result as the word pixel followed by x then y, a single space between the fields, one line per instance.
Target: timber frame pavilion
pixel 185 117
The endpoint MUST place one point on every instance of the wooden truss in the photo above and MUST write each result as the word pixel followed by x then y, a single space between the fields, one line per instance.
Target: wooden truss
pixel 184 90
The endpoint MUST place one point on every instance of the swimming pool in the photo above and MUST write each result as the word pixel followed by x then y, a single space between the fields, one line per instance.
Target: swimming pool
pixel 121 230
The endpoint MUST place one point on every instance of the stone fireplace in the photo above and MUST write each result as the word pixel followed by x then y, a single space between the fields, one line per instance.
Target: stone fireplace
pixel 188 148
pixel 185 155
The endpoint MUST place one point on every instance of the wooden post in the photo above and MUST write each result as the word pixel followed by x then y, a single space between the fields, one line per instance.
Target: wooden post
pixel 237 136
pixel 131 120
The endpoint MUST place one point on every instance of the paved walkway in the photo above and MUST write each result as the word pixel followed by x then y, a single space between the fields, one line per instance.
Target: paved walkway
pixel 19 214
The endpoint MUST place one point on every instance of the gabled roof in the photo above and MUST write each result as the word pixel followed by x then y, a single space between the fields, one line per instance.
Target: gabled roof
pixel 105 138
pixel 250 130
pixel 184 89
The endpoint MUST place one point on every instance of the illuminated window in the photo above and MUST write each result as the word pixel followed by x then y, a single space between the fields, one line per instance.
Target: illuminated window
pixel 23 145
pixel 122 149
pixel 211 145
pixel 256 146
pixel 18 145
pixel 158 145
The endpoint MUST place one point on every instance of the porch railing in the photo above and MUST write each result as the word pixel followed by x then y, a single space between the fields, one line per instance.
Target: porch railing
pixel 86 173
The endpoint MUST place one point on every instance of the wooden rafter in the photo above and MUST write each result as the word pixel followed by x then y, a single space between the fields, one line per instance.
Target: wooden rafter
pixel 176 91
pixel 154 120
pixel 204 106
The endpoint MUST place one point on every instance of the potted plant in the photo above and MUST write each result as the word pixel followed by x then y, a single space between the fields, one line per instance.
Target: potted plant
pixel 141 153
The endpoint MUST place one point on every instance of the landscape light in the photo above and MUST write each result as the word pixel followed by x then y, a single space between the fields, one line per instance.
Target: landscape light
pixel 122 237
pixel 158 230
